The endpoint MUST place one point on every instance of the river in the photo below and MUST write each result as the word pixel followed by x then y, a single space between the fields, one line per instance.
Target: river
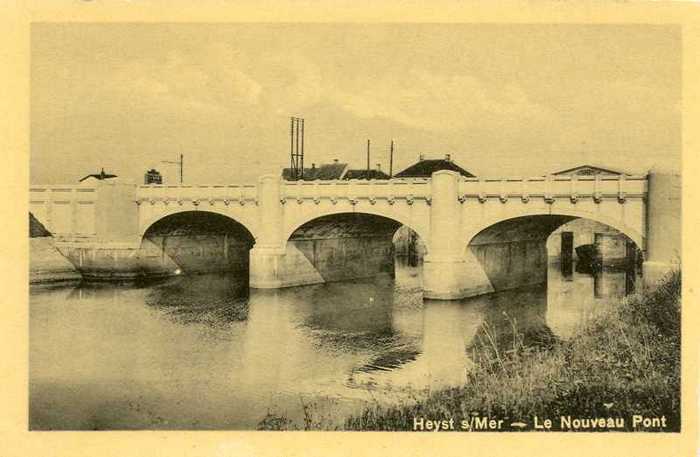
pixel 204 352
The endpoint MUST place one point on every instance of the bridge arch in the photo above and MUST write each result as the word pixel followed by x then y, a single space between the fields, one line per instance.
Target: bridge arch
pixel 147 221
pixel 540 222
pixel 421 229
pixel 340 246
pixel 512 252
pixel 199 242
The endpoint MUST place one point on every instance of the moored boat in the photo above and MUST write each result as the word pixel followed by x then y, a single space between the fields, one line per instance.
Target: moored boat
pixel 589 257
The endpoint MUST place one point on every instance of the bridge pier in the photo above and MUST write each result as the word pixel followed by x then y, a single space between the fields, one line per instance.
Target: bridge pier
pixel 663 249
pixel 268 255
pixel 448 272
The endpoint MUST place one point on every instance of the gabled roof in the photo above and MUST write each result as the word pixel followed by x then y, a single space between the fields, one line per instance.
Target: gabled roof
pixel 325 172
pixel 426 167
pixel 101 175
pixel 365 174
pixel 588 170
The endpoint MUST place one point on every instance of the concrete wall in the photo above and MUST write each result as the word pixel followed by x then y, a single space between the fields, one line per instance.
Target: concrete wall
pixel 337 247
pixel 339 259
pixel 510 265
pixel 112 261
pixel 513 253
pixel 203 253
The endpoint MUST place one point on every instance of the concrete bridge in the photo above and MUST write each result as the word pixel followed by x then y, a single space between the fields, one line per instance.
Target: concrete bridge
pixel 481 235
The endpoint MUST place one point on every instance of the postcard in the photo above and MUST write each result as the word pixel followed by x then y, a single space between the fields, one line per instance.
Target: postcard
pixel 459 226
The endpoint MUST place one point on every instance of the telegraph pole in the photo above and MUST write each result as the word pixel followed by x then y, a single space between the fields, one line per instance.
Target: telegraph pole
pixel 367 159
pixel 391 160
pixel 180 162
pixel 296 154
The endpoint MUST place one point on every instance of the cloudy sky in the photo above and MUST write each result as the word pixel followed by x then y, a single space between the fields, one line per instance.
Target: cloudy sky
pixel 501 99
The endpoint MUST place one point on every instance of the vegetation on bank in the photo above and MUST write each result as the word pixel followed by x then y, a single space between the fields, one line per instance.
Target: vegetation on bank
pixel 623 363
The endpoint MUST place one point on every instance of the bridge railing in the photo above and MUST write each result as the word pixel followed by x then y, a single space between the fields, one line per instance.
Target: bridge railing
pixel 550 188
pixel 225 193
pixel 354 190
pixel 64 209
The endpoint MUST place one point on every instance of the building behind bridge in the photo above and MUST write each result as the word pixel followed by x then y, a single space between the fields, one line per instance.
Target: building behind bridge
pixel 588 170
pixel 335 171
pixel 425 167
pixel 152 176
pixel 612 242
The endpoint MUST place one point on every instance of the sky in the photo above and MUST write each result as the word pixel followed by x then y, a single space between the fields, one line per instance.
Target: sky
pixel 502 100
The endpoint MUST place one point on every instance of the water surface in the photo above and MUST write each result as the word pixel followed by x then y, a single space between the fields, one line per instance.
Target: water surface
pixel 204 352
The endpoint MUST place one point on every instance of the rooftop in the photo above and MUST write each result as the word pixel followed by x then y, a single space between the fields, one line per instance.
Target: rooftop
pixel 328 171
pixel 587 170
pixel 366 174
pixel 426 167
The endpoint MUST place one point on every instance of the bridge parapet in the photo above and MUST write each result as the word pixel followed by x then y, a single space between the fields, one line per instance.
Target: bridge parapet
pixel 356 189
pixel 65 210
pixel 195 194
pixel 550 188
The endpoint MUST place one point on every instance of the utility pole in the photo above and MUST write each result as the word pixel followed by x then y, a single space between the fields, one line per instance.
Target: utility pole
pixel 391 160
pixel 367 159
pixel 296 154
pixel 302 148
pixel 180 162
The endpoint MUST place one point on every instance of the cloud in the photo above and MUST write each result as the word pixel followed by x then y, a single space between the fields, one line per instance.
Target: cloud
pixel 175 83
pixel 436 102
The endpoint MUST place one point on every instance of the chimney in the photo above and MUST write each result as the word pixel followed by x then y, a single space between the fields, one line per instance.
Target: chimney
pixel 379 167
pixel 447 157
pixel 421 156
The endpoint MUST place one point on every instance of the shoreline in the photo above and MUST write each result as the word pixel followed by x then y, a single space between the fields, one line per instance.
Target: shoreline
pixel 635 374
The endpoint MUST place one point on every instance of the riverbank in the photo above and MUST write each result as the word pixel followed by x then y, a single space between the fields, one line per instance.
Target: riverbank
pixel 624 363
pixel 46 264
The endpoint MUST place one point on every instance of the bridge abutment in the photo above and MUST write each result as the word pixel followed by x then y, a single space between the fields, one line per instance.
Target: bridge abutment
pixel 663 249
pixel 114 251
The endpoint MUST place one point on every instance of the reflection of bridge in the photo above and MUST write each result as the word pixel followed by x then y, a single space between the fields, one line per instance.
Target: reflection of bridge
pixel 479 233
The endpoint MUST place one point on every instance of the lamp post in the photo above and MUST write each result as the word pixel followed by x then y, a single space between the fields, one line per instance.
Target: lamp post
pixel 180 162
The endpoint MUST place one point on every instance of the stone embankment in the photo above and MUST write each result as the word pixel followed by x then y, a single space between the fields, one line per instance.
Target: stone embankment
pixel 46 264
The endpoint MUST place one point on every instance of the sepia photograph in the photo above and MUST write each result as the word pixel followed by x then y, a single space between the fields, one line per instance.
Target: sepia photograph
pixel 357 226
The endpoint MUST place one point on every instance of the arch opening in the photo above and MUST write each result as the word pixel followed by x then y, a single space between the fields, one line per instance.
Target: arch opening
pixel 345 246
pixel 193 242
pixel 517 252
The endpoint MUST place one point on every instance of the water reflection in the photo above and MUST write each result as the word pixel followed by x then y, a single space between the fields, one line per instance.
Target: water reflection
pixel 214 299
pixel 205 352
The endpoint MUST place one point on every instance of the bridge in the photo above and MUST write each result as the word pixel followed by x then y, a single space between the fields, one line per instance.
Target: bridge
pixel 481 234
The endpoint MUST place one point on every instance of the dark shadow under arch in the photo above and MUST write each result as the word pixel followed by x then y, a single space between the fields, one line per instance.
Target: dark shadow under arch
pixel 200 242
pixel 346 246
pixel 513 252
